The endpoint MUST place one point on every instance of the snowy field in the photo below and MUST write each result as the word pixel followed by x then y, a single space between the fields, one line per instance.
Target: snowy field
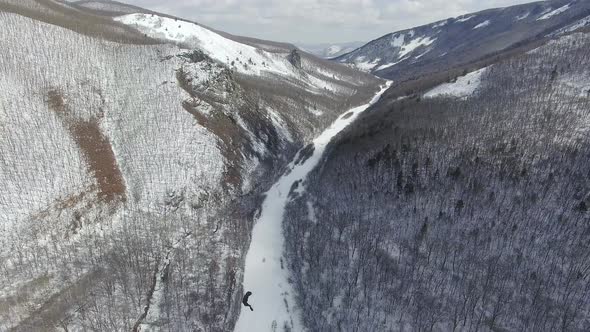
pixel 265 275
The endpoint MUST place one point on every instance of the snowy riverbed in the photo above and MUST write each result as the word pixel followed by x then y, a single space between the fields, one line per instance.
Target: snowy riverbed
pixel 265 273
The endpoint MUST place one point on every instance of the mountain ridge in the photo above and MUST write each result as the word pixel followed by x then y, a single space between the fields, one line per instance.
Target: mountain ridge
pixel 422 49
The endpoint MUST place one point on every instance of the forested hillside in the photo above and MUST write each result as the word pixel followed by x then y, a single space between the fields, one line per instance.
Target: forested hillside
pixel 133 162
pixel 459 207
pixel 435 47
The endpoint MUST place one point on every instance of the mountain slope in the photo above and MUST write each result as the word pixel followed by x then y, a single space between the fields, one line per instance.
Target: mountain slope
pixel 133 162
pixel 463 206
pixel 455 41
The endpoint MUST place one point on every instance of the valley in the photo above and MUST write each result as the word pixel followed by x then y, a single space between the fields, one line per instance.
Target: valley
pixel 156 169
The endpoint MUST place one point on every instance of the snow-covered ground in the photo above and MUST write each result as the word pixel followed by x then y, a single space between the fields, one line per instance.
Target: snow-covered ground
pixel 243 58
pixel 266 274
pixel 463 87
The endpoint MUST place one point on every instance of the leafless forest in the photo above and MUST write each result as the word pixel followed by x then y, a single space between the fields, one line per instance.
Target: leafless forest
pixel 132 169
pixel 445 213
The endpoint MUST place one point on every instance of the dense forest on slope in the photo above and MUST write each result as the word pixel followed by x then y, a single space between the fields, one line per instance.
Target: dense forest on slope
pixel 456 213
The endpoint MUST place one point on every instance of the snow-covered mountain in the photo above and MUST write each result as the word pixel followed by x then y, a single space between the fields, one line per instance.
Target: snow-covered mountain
pixel 154 169
pixel 459 202
pixel 135 149
pixel 328 51
pixel 459 40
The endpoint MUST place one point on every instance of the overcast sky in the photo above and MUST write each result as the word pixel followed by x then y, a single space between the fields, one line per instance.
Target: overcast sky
pixel 315 21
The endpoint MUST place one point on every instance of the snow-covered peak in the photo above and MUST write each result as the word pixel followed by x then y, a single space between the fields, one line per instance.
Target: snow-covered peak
pixel 243 58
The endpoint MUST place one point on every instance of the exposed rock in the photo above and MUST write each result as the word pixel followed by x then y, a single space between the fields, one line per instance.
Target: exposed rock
pixel 295 59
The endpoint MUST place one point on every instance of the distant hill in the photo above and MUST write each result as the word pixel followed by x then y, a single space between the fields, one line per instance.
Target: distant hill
pixel 328 51
pixel 454 41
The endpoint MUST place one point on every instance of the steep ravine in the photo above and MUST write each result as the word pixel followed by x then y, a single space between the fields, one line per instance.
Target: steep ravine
pixel 265 274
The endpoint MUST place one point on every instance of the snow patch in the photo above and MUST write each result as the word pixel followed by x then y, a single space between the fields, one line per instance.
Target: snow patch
pixel 440 24
pixel 482 25
pixel 577 25
pixel 414 44
pixel 555 12
pixel 311 213
pixel 465 18
pixel 463 87
pixel 364 65
pixel 398 40
pixel 421 55
pixel 390 64
pixel 280 124
pixel 523 16
pixel 315 111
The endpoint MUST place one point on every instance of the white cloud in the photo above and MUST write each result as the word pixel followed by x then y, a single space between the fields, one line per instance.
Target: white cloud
pixel 318 20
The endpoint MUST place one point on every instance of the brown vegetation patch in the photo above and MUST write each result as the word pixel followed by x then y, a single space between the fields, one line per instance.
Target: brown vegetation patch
pixel 101 159
pixel 95 147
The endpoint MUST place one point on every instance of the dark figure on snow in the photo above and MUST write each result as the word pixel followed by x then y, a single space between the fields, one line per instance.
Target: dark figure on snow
pixel 245 300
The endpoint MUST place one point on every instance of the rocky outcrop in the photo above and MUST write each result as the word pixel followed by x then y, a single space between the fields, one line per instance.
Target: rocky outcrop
pixel 295 59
